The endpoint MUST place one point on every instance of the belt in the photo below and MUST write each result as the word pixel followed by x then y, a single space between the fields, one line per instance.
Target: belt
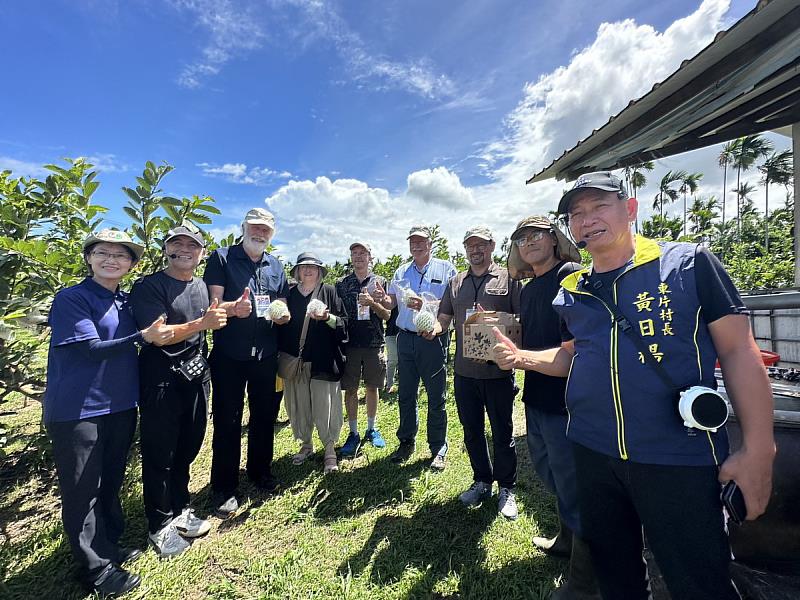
pixel 407 331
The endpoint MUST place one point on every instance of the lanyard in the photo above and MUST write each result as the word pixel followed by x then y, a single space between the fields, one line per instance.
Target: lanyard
pixel 421 275
pixel 257 274
pixel 477 286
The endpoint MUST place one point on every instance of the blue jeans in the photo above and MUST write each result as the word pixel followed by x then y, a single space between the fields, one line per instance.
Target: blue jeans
pixel 552 457
pixel 418 358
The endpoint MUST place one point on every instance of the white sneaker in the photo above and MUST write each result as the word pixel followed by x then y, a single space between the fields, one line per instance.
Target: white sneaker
pixel 190 526
pixel 477 493
pixel 507 504
pixel 167 542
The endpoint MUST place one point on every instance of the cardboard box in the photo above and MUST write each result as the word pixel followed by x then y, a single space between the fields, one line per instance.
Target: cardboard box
pixel 478 339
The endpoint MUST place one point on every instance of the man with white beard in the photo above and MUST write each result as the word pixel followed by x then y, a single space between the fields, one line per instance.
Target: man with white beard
pixel 245 279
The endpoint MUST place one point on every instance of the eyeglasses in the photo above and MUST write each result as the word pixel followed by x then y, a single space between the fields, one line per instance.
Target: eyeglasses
pixel 119 257
pixel 476 247
pixel 531 237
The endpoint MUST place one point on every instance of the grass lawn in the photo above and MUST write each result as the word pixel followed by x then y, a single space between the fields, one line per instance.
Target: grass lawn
pixel 372 530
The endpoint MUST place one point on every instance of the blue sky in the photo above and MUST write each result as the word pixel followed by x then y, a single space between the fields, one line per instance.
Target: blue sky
pixel 349 119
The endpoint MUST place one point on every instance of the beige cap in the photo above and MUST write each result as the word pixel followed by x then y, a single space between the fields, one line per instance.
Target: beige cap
pixel 480 231
pixel 565 249
pixel 260 216
pixel 188 229
pixel 114 236
pixel 420 230
pixel 364 245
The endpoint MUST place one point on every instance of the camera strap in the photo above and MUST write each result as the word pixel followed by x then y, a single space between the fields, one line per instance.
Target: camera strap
pixel 600 292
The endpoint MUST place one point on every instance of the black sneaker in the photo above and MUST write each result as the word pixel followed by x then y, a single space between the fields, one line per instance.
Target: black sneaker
pixel 226 507
pixel 115 581
pixel 403 452
pixel 266 483
pixel 127 555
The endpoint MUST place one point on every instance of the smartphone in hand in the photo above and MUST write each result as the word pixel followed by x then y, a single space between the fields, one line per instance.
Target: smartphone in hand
pixel 733 501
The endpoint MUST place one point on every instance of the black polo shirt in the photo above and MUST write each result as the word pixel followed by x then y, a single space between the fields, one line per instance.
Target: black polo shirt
pixel 250 338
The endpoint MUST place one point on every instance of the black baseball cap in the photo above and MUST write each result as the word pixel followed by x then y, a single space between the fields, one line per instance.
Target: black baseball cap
pixel 599 180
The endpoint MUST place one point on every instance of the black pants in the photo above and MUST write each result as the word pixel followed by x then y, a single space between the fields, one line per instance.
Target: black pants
pixel 496 397
pixel 681 512
pixel 229 379
pixel 90 456
pixel 172 427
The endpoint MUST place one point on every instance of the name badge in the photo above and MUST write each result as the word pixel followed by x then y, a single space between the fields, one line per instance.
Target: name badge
pixel 363 313
pixel 470 312
pixel 262 306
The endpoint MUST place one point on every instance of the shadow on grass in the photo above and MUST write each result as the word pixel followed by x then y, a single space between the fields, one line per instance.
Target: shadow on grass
pixel 435 545
pixel 377 484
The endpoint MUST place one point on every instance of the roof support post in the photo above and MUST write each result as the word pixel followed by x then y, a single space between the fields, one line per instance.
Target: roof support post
pixel 796 161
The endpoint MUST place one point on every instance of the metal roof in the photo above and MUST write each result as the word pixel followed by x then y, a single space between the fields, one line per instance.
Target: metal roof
pixel 746 81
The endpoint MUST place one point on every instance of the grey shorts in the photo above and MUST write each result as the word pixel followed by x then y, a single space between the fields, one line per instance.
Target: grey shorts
pixel 371 362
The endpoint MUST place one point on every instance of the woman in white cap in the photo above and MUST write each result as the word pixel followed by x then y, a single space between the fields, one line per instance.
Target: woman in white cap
pixel 90 406
pixel 313 397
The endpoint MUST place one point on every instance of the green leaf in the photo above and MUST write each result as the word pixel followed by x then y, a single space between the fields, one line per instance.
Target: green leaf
pixel 209 209
pixel 132 214
pixel 90 187
pixel 132 195
pixel 169 200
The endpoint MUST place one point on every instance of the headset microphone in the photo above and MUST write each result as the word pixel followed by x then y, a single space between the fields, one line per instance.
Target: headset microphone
pixel 173 256
pixel 581 244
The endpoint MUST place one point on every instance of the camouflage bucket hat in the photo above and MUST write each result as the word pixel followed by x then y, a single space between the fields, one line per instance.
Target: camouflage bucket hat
pixel 114 236
pixel 565 249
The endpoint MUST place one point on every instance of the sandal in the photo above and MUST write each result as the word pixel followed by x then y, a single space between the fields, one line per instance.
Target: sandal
pixel 302 456
pixel 330 461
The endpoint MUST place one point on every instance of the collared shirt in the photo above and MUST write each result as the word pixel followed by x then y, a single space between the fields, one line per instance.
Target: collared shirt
pixel 251 338
pixel 369 332
pixel 79 387
pixel 494 290
pixel 431 278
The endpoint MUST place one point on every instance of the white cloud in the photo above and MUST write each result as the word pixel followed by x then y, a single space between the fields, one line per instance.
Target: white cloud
pixel 22 168
pixel 322 22
pixel 564 106
pixel 233 30
pixel 555 112
pixel 241 173
pixel 103 162
pixel 107 163
pixel 439 186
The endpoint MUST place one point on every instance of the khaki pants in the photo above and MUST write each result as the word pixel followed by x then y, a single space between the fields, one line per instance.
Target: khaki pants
pixel 313 402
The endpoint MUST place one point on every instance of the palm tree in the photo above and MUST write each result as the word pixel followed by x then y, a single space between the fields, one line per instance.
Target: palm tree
pixel 701 215
pixel 636 180
pixel 725 158
pixel 665 189
pixel 749 149
pixel 777 168
pixel 688 186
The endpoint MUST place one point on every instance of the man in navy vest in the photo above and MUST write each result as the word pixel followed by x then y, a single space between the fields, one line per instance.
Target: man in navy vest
pixel 638 464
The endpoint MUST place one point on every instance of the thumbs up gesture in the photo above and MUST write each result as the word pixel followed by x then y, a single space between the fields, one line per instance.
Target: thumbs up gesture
pixel 243 306
pixel 504 351
pixel 158 332
pixel 215 317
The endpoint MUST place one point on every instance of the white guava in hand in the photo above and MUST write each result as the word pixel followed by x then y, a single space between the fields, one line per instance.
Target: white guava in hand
pixel 278 310
pixel 316 307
